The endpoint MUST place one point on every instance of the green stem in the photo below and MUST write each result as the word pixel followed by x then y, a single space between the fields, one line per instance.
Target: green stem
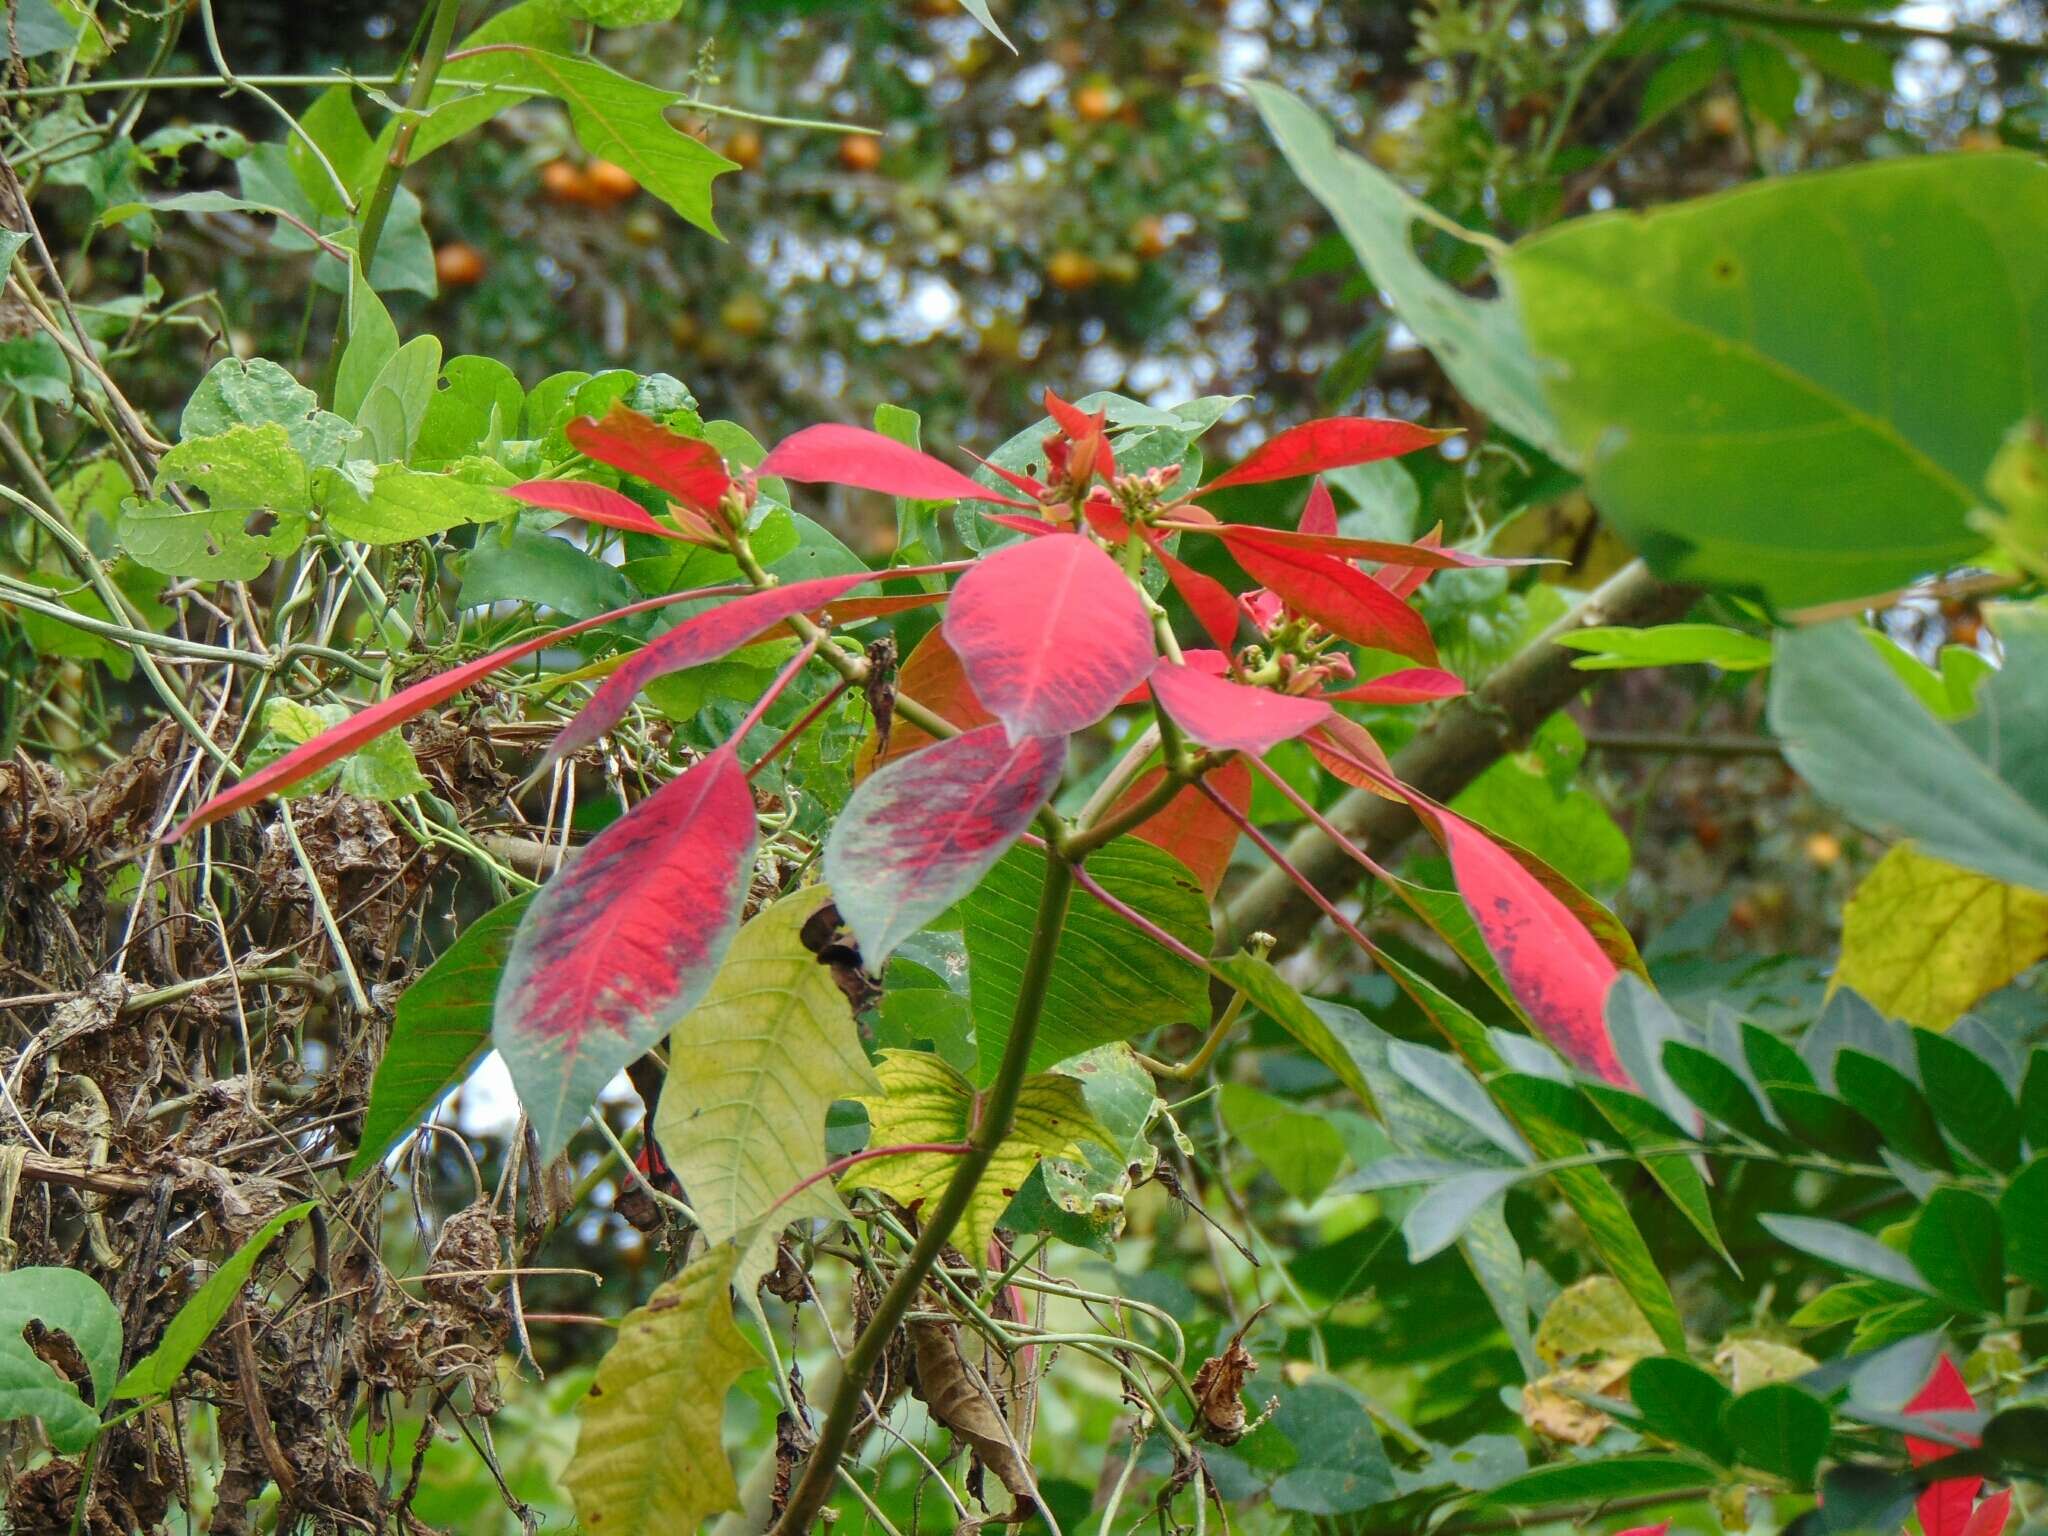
pixel 998 1111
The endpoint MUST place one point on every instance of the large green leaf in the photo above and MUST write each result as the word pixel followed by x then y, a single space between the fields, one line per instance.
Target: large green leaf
pixel 752 1069
pixel 1971 792
pixel 1615 1477
pixel 1109 981
pixel 650 1455
pixel 229 481
pixel 67 1302
pixel 1299 1147
pixel 158 1371
pixel 1798 387
pixel 1479 342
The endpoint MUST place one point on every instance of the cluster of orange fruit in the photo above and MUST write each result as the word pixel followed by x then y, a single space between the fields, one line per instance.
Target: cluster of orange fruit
pixel 599 184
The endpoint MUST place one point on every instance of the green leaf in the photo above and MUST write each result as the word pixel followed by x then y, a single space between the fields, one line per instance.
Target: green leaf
pixel 1299 1147
pixel 1970 1101
pixel 236 393
pixel 1480 343
pixel 1640 1125
pixel 372 343
pixel 1958 1245
pixel 1768 81
pixel 35 366
pixel 2034 1099
pixel 1340 1467
pixel 157 1372
pixel 1834 1243
pixel 234 482
pixel 1613 1477
pixel 412 504
pixel 752 1070
pixel 476 407
pixel 1082 1201
pixel 1892 1102
pixel 924 1101
pixel 67 1302
pixel 1667 645
pixel 1109 981
pixel 1780 1429
pixel 1677 80
pixel 442 1028
pixel 979 10
pixel 528 567
pixel 1682 1402
pixel 381 769
pixel 1440 1220
pixel 2023 1210
pixel 1717 1089
pixel 395 406
pixel 1923 939
pixel 1797 386
pixel 650 1453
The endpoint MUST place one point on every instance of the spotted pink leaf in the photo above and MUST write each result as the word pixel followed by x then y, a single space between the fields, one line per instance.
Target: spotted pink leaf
pixel 1192 827
pixel 600 504
pixel 931 675
pixel 1411 685
pixel 1336 595
pixel 833 454
pixel 1945 1506
pixel 1207 598
pixel 919 833
pixel 366 725
pixel 700 638
pixel 1332 443
pixel 688 468
pixel 623 941
pixel 1219 713
pixel 1553 965
pixel 1050 634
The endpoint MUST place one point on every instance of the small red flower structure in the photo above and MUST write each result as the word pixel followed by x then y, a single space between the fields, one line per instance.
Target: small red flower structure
pixel 1951 1507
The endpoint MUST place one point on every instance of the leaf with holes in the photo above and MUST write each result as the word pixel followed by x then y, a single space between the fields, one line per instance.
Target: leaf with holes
pixel 700 638
pixel 831 454
pixel 924 1102
pixel 650 1454
pixel 752 1070
pixel 1337 595
pixel 919 833
pixel 1050 634
pixel 1230 716
pixel 623 941
pixel 70 1303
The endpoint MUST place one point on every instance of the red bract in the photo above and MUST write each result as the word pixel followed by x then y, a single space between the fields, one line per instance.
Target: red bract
pixel 1348 752
pixel 1050 634
pixel 1192 827
pixel 920 833
pixel 688 468
pixel 1423 556
pixel 700 638
pixel 1219 713
pixel 600 504
pixel 1023 522
pixel 365 726
pixel 1333 443
pixel 1659 1529
pixel 1214 663
pixel 1945 1506
pixel 1556 970
pixel 1411 685
pixel 1319 512
pixel 1335 595
pixel 1087 438
pixel 1207 598
pixel 831 454
pixel 623 942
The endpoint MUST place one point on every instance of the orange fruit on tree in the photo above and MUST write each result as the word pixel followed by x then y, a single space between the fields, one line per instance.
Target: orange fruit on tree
pixel 1071 270
pixel 609 183
pixel 1095 103
pixel 743 149
pixel 458 264
pixel 860 152
pixel 563 182
pixel 1149 238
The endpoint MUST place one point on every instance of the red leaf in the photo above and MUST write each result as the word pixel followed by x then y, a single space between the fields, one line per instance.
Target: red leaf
pixel 1106 517
pixel 1214 663
pixel 1411 685
pixel 1337 596
pixel 918 834
pixel 932 675
pixel 1421 554
pixel 366 725
pixel 1207 598
pixel 1319 514
pixel 832 454
pixel 1659 1529
pixel 1089 435
pixel 623 942
pixel 1944 1507
pixel 1990 1516
pixel 600 504
pixel 1406 580
pixel 1023 522
pixel 1030 487
pixel 1191 826
pixel 1219 713
pixel 688 468
pixel 700 638
pixel 1348 752
pixel 1333 443
pixel 1050 634
pixel 1556 970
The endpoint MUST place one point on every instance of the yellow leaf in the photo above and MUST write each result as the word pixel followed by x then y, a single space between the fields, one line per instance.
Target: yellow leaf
pixel 1752 1362
pixel 925 1100
pixel 752 1070
pixel 1594 1317
pixel 650 1455
pixel 1923 940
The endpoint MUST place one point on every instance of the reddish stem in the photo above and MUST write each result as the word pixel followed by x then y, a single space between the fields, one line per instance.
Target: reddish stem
pixel 803 724
pixel 840 1165
pixel 1137 919
pixel 1280 862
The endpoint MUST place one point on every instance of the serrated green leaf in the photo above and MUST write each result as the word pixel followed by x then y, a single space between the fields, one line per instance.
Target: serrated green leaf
pixel 67 1302
pixel 650 1454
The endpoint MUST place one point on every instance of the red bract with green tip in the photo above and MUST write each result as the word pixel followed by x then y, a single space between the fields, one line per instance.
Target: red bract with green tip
pixel 1050 634
pixel 688 468
pixel 623 941
pixel 918 834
